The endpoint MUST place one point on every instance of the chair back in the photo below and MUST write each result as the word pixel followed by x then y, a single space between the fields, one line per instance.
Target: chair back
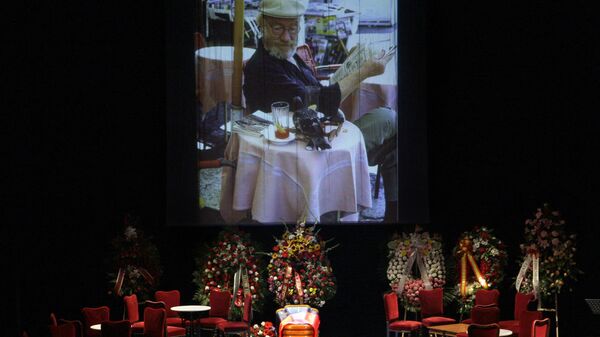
pixel 132 311
pixel 155 322
pixel 483 330
pixel 432 302
pixel 156 305
pixel 521 302
pixel 526 322
pixel 220 301
pixel 93 316
pixel 116 329
pixel 63 330
pixel 487 296
pixel 171 299
pixel 247 317
pixel 485 314
pixel 390 303
pixel 305 55
pixel 541 328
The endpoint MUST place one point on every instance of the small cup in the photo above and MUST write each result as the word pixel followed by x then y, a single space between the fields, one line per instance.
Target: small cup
pixel 281 119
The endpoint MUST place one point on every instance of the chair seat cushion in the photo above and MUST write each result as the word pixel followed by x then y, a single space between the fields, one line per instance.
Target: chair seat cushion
pixel 137 327
pixel 405 325
pixel 232 326
pixel 510 325
pixel 210 322
pixel 467 321
pixel 437 320
pixel 173 331
pixel 176 321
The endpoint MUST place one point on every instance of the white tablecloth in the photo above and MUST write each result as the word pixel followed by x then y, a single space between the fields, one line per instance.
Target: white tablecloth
pixel 277 182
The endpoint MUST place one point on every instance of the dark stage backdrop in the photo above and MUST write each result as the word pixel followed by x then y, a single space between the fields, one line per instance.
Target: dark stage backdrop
pixel 512 118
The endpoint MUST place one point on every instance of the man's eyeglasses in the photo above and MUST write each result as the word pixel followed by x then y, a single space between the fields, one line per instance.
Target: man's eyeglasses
pixel 279 29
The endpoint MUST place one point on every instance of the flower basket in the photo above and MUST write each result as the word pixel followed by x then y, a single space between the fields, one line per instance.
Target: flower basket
pixel 299 270
pixel 263 329
pixel 481 258
pixel 218 264
pixel 408 252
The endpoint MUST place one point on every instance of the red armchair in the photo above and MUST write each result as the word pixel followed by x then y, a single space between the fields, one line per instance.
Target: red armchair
pixel 392 317
pixel 521 302
pixel 155 322
pixel 219 301
pixel 485 297
pixel 238 327
pixel 132 313
pixel 93 316
pixel 541 328
pixel 171 299
pixel 485 314
pixel 432 308
pixel 63 330
pixel 526 320
pixel 483 330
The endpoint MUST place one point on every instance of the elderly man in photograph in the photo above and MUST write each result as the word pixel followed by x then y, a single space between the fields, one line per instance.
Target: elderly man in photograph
pixel 276 73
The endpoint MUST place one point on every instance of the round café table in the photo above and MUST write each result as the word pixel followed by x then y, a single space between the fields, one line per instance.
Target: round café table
pixel 286 183
pixel 191 312
pixel 214 71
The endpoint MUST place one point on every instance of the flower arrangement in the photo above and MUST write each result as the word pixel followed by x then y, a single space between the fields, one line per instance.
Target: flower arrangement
pixel 264 329
pixel 136 261
pixel 217 266
pixel 490 253
pixel 299 270
pixel 400 273
pixel 547 242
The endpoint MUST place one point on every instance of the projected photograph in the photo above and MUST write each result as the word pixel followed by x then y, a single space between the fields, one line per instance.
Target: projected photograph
pixel 297 111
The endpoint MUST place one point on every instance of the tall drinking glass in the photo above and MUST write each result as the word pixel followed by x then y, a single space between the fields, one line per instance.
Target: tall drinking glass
pixel 281 119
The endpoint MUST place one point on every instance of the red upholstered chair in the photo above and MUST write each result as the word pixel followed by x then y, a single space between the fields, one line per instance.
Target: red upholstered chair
pixel 219 301
pixel 155 322
pixel 116 329
pixel 485 297
pixel 170 329
pixel 541 328
pixel 432 308
pixel 171 299
pixel 63 330
pixel 521 302
pixel 93 316
pixel 485 314
pixel 526 322
pixel 392 317
pixel 238 327
pixel 483 330
pixel 132 313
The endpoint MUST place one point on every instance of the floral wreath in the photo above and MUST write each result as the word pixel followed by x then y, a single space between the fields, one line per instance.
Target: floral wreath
pixel 399 270
pixel 264 329
pixel 486 256
pixel 550 250
pixel 136 261
pixel 231 252
pixel 299 270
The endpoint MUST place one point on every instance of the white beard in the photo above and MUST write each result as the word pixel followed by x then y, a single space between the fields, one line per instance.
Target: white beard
pixel 280 54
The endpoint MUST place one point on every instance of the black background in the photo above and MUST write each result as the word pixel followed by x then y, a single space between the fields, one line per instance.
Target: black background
pixel 510 93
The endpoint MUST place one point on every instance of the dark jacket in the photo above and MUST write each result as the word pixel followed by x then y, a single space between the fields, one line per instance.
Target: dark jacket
pixel 268 79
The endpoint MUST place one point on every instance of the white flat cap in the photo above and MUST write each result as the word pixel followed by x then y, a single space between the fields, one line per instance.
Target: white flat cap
pixel 283 8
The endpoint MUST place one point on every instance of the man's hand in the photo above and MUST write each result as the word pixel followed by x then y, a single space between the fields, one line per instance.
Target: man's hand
pixel 376 66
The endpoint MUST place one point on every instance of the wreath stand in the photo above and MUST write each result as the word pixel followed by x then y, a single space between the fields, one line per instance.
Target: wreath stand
pixel 554 310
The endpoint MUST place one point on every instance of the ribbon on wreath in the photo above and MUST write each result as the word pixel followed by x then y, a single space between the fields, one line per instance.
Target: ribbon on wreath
pixel 240 278
pixel 533 260
pixel 466 247
pixel 415 256
pixel 289 272
pixel 121 278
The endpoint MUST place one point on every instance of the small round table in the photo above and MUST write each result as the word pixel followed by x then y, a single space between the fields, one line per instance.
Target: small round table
pixel 190 311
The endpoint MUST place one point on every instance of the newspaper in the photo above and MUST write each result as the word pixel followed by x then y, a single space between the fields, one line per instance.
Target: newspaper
pixel 249 126
pixel 360 55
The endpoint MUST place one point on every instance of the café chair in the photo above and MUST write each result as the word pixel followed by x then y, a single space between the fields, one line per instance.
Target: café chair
pixel 482 330
pixel 131 313
pixel 155 322
pixel 115 328
pixel 541 328
pixel 392 318
pixel 432 308
pixel 238 327
pixel 171 299
pixel 526 320
pixel 170 329
pixel 63 330
pixel 485 314
pixel 93 316
pixel 219 301
pixel 521 302
pixel 485 297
